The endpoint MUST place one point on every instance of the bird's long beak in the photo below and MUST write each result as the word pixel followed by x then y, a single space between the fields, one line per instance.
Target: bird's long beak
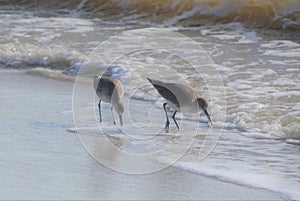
pixel 121 120
pixel 209 119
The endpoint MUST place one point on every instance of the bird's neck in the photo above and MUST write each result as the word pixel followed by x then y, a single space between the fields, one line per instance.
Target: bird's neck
pixel 119 106
pixel 193 108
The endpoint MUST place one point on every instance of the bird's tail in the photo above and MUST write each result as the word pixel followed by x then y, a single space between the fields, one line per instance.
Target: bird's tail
pixel 154 82
pixel 96 81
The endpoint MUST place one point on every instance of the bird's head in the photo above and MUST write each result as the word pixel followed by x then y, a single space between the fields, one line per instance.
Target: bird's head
pixel 203 104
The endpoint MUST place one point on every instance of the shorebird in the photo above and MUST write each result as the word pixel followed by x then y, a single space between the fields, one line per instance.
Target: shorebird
pixel 181 98
pixel 109 90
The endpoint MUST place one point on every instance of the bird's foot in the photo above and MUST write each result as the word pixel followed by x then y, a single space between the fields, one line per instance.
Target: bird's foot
pixel 167 129
pixel 167 126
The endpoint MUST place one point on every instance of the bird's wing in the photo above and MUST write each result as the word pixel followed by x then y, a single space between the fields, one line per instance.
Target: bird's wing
pixel 96 81
pixel 166 94
pixel 106 85
pixel 179 94
pixel 115 86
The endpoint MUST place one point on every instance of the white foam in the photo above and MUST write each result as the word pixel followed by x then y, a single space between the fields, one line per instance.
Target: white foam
pixel 240 174
pixel 280 44
pixel 283 53
pixel 282 48
pixel 46 29
pixel 34 41
pixel 232 31
pixel 293 141
pixel 25 54
pixel 201 7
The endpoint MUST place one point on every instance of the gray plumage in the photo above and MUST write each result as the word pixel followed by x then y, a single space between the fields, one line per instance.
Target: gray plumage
pixel 109 90
pixel 181 98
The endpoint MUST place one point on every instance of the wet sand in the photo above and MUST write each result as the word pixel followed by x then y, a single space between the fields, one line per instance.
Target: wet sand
pixel 40 159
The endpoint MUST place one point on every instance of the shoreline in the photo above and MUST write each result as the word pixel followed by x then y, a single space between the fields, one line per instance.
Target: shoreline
pixel 45 161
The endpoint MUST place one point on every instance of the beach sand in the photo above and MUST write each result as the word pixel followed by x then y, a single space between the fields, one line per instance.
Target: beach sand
pixel 40 159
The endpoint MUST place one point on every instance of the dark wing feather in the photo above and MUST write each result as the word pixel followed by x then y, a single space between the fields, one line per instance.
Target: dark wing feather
pixel 166 94
pixel 106 86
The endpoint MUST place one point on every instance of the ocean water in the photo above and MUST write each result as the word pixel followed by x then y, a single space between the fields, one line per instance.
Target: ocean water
pixel 242 55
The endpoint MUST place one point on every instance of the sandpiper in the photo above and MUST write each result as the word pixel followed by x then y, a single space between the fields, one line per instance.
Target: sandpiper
pixel 181 98
pixel 109 90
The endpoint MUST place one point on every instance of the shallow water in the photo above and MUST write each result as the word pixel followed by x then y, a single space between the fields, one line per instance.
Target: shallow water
pixel 40 159
pixel 259 70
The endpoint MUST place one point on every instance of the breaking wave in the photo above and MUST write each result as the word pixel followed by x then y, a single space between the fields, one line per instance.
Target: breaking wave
pixel 274 14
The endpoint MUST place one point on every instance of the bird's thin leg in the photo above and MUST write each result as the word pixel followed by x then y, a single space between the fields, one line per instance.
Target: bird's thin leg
pixel 167 122
pixel 173 116
pixel 99 107
pixel 111 109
